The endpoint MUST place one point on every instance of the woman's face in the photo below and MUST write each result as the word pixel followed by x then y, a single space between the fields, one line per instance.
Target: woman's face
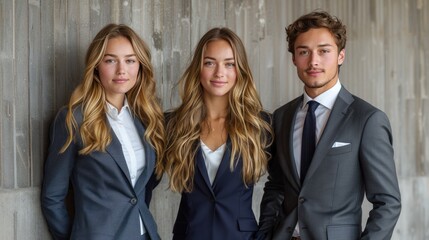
pixel 118 70
pixel 218 73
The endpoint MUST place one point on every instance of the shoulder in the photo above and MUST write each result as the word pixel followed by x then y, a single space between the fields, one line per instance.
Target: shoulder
pixel 356 103
pixel 364 108
pixel 60 117
pixel 361 110
pixel 288 107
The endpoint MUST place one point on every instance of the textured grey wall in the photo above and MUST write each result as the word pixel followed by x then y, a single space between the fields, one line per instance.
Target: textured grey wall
pixel 42 47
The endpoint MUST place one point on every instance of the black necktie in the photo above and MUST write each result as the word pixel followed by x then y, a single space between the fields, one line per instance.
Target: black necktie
pixel 308 138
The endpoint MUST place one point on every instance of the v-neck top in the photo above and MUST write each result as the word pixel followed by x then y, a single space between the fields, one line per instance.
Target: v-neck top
pixel 212 159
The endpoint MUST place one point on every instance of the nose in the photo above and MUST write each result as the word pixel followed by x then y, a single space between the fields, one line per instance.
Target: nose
pixel 219 71
pixel 314 59
pixel 120 68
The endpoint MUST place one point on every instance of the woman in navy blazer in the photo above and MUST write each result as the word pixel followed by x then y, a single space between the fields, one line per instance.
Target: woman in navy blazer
pixel 105 143
pixel 215 149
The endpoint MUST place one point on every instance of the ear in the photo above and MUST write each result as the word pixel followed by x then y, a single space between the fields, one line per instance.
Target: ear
pixel 341 56
pixel 293 59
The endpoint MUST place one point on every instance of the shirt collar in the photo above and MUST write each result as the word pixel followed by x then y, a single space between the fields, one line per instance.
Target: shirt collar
pixel 327 99
pixel 113 112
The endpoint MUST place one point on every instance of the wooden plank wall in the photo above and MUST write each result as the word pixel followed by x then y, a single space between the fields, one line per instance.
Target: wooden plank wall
pixel 43 43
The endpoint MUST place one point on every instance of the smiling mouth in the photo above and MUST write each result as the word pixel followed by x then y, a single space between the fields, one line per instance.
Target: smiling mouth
pixel 120 80
pixel 218 82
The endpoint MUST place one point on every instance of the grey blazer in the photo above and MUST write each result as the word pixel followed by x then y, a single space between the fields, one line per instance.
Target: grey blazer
pixel 106 205
pixel 328 203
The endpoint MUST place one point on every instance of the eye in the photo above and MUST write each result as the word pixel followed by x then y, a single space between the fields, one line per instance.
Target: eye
pixel 110 60
pixel 131 61
pixel 209 64
pixel 230 65
pixel 303 52
pixel 323 51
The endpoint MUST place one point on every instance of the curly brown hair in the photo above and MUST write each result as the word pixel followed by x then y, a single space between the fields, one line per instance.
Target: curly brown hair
pixel 316 19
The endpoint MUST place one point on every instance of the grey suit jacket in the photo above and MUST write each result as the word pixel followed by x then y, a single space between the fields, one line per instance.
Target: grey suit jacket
pixel 328 204
pixel 106 205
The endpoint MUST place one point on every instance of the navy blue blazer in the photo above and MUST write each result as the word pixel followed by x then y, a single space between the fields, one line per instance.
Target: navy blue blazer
pixel 106 205
pixel 220 211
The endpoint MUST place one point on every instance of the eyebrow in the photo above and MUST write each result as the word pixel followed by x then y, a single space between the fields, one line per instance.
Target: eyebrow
pixel 113 55
pixel 226 59
pixel 320 45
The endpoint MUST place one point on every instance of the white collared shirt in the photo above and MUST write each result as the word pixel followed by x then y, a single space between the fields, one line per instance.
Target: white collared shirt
pixel 322 112
pixel 123 126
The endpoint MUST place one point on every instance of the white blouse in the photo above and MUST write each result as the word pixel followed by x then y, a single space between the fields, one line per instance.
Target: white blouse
pixel 212 159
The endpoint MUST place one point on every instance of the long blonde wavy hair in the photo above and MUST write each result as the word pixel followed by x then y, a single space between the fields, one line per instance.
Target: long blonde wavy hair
pixel 248 131
pixel 90 96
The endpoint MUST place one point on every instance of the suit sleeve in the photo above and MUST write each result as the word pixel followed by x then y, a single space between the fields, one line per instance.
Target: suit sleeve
pixel 378 169
pixel 56 179
pixel 273 196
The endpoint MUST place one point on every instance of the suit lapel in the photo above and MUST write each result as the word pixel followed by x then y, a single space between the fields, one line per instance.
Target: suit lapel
pixel 224 164
pixel 115 151
pixel 337 119
pixel 287 126
pixel 201 166
pixel 150 158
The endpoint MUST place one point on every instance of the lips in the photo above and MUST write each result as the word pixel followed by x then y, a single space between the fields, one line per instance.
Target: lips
pixel 218 83
pixel 120 80
pixel 314 72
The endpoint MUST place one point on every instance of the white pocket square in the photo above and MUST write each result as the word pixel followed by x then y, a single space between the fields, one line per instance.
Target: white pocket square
pixel 339 144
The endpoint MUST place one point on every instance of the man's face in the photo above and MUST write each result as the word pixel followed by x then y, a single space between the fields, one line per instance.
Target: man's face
pixel 316 59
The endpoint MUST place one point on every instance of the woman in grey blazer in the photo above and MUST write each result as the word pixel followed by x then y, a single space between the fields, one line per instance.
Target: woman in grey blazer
pixel 105 143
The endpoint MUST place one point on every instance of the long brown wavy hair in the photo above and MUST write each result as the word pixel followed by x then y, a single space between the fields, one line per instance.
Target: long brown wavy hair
pixel 248 131
pixel 90 96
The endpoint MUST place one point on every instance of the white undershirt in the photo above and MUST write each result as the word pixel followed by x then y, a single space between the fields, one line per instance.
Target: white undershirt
pixel 212 159
pixel 322 112
pixel 123 126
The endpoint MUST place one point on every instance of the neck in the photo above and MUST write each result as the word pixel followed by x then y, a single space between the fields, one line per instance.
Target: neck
pixel 216 108
pixel 117 102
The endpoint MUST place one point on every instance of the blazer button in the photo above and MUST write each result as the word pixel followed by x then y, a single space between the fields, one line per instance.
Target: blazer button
pixel 301 200
pixel 133 201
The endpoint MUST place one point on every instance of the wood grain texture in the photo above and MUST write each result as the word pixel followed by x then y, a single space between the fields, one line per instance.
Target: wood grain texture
pixel 43 45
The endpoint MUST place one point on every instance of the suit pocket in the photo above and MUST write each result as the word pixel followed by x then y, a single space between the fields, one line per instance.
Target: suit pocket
pixel 341 232
pixel 340 150
pixel 247 225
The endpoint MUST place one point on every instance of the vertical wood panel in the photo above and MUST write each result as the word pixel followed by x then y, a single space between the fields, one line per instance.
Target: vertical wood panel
pixel 20 93
pixel 35 95
pixel 7 55
pixel 61 75
pixel 43 45
pixel 84 36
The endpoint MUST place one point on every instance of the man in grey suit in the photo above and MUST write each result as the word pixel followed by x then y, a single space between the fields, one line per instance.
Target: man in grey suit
pixel 324 162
